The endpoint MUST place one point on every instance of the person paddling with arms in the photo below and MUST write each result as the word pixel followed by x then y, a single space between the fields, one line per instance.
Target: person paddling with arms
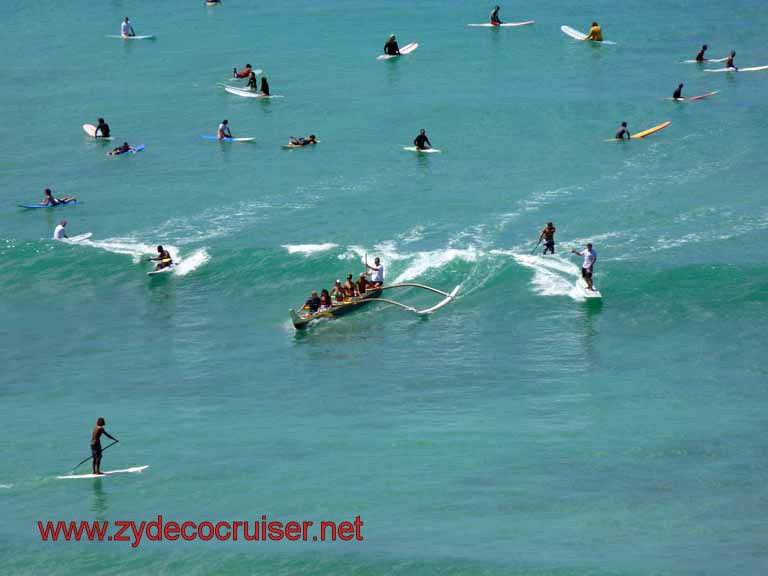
pixel 96 449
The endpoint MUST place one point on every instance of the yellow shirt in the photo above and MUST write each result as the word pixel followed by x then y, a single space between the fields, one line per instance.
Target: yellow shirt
pixel 595 33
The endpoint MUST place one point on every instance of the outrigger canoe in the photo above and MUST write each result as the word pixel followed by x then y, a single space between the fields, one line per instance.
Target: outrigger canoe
pixel 301 321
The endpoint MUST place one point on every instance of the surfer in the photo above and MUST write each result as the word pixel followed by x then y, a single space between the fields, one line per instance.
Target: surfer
pixel 622 131
pixel 590 257
pixel 421 141
pixel 49 200
pixel 264 91
pixel 311 139
pixel 595 33
pixel 391 48
pixel 122 149
pixel 700 55
pixel 678 94
pixel 377 278
pixel 223 130
pixel 252 81
pixel 313 303
pixel 98 430
pixel 244 73
pixel 729 61
pixel 548 235
pixel 59 232
pixel 102 129
pixel 495 20
pixel 163 258
pixel 126 29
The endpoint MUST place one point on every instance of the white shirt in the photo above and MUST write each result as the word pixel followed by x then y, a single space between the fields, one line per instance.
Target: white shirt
pixel 378 273
pixel 126 29
pixel 223 130
pixel 59 232
pixel 589 258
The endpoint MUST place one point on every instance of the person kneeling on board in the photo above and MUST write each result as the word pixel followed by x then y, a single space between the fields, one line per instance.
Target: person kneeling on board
pixel 244 73
pixel 223 130
pixel 391 48
pixel 163 258
pixel 548 235
pixel 421 141
pixel 622 132
pixel 125 147
pixel 49 200
pixel 377 278
pixel 595 33
pixel 590 257
pixel 96 444
pixel 495 20
pixel 678 94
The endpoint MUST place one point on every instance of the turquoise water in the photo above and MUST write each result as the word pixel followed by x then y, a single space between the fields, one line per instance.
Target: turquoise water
pixel 519 430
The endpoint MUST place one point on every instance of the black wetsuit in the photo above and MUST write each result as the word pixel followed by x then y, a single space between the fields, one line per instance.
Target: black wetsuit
pixel 678 93
pixel 700 56
pixel 422 142
pixel 391 48
pixel 620 134
pixel 102 130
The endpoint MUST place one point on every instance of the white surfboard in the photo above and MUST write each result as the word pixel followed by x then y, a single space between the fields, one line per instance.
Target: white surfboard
pixel 90 129
pixel 166 270
pixel 247 93
pixel 705 60
pixel 575 34
pixel 752 69
pixel 420 151
pixel 145 37
pixel 79 238
pixel 405 50
pixel 134 470
pixel 503 25
pixel 586 291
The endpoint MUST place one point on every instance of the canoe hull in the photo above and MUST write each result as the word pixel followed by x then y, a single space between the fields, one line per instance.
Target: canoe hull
pixel 301 322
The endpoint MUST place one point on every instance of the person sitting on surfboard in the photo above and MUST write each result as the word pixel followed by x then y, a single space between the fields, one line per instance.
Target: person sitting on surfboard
pixel 122 149
pixel 252 81
pixel 264 90
pixel 590 257
pixel 59 232
pixel 678 94
pixel 223 130
pixel 595 33
pixel 96 444
pixel 729 61
pixel 421 141
pixel 700 55
pixel 495 20
pixel 391 48
pixel 548 235
pixel 126 29
pixel 163 258
pixel 49 200
pixel 102 129
pixel 622 131
pixel 244 73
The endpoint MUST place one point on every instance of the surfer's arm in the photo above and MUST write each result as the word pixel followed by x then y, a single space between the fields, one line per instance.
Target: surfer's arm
pixel 108 435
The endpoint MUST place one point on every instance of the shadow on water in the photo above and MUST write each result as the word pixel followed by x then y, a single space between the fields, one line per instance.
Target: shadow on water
pixel 590 312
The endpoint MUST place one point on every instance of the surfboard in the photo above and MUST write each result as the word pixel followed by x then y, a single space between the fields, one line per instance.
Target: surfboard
pixel 146 37
pixel 586 291
pixel 90 129
pixel 693 98
pixel 650 131
pixel 425 151
pixel 246 93
pixel 79 238
pixel 136 149
pixel 213 137
pixel 292 146
pixel 134 470
pixel 702 62
pixel 166 270
pixel 752 69
pixel 502 25
pixel 573 33
pixel 73 202
pixel 407 49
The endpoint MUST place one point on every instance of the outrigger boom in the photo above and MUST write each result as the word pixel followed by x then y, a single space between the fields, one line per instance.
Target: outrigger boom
pixel 301 322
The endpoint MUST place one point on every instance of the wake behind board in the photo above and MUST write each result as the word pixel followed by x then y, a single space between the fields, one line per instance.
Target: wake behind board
pixel 405 50
pixel 134 470
pixel 586 291
pixel 576 35
pixel 752 69
pixel 212 137
pixel 502 25
pixel 90 129
pixel 72 203
pixel 421 150
pixel 120 36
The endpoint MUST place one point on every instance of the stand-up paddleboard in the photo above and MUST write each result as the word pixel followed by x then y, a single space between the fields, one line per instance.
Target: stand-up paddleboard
pixel 586 291
pixel 78 238
pixel 421 151
pixel 146 37
pixel 407 49
pixel 575 34
pixel 248 93
pixel 70 203
pixel 703 61
pixel 693 98
pixel 136 149
pixel 134 470
pixel 502 25
pixel 166 270
pixel 752 69
pixel 213 137
pixel 90 129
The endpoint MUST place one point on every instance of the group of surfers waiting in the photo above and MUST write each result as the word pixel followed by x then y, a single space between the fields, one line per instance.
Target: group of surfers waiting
pixel 249 73
pixel 590 256
pixel 348 291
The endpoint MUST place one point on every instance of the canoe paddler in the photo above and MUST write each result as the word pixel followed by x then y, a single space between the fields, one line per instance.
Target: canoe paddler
pixel 362 284
pixel 595 33
pixel 338 291
pixel 126 29
pixel 421 141
pixel 313 303
pixel 623 131
pixel 163 258
pixel 349 287
pixel 49 200
pixel 700 55
pixel 729 61
pixel 244 73
pixel 495 20
pixel 98 430
pixel 590 257
pixel 223 130
pixel 377 277
pixel 678 93
pixel 59 232
pixel 391 48
pixel 548 235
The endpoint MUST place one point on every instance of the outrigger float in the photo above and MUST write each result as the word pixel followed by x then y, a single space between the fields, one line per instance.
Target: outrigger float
pixel 301 321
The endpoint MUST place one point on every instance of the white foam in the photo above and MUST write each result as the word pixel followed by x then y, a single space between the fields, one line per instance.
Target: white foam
pixel 308 249
pixel 552 275
pixel 6 486
pixel 425 261
pixel 128 246
pixel 192 262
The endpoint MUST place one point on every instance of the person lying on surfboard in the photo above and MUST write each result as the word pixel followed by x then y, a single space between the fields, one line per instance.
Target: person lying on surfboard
pixel 223 130
pixel 700 55
pixel 678 94
pixel 623 131
pixel 244 73
pixel 595 33
pixel 252 82
pixel 421 141
pixel 96 444
pixel 264 90
pixel 49 200
pixel 122 149
pixel 126 29
pixel 495 20
pixel 548 235
pixel 163 258
pixel 102 129
pixel 729 61
pixel 311 139
pixel 590 257
pixel 391 48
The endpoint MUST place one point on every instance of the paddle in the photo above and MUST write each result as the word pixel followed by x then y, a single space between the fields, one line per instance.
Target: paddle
pixel 537 245
pixel 89 457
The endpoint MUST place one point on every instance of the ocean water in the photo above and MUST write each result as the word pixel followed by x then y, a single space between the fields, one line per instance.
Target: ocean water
pixel 521 429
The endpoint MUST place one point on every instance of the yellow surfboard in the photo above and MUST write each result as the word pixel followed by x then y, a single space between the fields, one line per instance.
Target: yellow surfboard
pixel 650 131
